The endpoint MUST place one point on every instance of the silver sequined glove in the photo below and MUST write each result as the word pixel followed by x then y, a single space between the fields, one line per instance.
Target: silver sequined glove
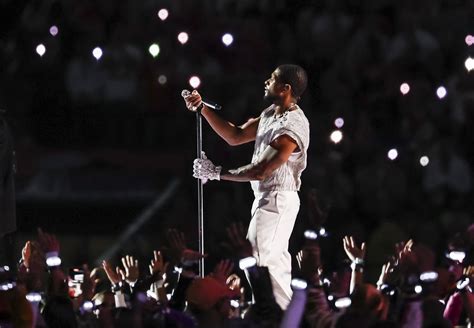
pixel 204 169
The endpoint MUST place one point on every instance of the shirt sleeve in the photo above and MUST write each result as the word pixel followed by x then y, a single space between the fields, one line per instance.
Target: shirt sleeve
pixel 296 128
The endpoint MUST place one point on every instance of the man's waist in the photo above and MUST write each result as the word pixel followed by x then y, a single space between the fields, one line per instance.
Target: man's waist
pixel 260 187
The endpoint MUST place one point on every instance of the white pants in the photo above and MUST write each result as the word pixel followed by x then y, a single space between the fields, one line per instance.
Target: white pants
pixel 273 217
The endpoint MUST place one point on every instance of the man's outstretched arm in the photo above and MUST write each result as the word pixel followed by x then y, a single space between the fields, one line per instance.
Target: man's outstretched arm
pixel 275 155
pixel 232 134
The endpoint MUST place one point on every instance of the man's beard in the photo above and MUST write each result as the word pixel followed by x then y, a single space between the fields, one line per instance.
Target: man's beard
pixel 269 97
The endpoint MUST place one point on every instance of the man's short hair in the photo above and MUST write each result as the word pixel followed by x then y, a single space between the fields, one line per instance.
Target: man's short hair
pixel 295 76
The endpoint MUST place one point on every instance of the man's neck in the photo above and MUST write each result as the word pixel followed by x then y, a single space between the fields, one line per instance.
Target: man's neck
pixel 285 106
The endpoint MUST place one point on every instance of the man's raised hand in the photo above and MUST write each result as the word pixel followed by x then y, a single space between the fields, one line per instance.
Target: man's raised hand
pixel 193 100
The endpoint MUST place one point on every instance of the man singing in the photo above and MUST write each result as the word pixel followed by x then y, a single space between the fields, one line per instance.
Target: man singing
pixel 281 136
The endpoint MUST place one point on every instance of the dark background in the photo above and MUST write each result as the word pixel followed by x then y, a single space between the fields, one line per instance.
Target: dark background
pixel 98 141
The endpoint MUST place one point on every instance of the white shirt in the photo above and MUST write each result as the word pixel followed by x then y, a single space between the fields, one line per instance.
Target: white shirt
pixel 293 124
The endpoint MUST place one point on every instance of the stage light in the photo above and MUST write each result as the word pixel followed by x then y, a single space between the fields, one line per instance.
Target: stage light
pixel 154 50
pixel 469 40
pixel 227 39
pixel 404 88
pixel 469 63
pixel 40 49
pixel 194 82
pixel 162 79
pixel 441 92
pixel 183 37
pixel 53 30
pixel 339 122
pixel 424 160
pixel 163 14
pixel 97 53
pixel 336 136
pixel 392 154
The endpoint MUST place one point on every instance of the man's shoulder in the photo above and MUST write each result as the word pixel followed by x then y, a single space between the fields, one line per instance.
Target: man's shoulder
pixel 299 118
pixel 267 111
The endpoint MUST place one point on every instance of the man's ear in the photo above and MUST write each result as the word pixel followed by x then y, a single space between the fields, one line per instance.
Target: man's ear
pixel 287 88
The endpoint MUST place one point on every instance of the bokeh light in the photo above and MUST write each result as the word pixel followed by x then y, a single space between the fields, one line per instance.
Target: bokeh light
pixel 418 289
pixel 154 50
pixel 336 136
pixel 392 154
pixel 40 49
pixel 424 160
pixel 469 40
pixel 194 82
pixel 163 14
pixel 227 39
pixel 33 297
pixel 404 88
pixel 342 303
pixel 88 306
pixel 183 37
pixel 162 79
pixel 97 53
pixel 339 122
pixel 441 92
pixel 469 63
pixel 53 30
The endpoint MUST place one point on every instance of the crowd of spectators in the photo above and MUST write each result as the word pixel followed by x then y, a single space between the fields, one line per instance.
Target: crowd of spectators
pixel 416 287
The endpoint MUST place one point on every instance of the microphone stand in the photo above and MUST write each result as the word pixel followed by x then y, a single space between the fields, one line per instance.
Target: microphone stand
pixel 200 194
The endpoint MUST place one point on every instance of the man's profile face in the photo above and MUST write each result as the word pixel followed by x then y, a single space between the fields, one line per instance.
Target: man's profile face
pixel 273 87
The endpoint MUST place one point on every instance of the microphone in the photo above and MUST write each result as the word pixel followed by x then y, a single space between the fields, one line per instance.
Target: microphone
pixel 212 105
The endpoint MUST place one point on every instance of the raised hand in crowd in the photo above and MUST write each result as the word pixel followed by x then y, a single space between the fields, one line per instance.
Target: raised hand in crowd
pixel 309 261
pixel 316 216
pixel 236 238
pixel 131 272
pixel 406 259
pixel 48 242
pixel 179 251
pixel 357 256
pixel 222 271
pixel 157 264
pixel 89 283
pixel 353 251
pixel 387 269
pixel 112 274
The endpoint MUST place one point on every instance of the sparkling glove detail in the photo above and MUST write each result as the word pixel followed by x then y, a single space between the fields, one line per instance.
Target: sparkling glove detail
pixel 204 169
